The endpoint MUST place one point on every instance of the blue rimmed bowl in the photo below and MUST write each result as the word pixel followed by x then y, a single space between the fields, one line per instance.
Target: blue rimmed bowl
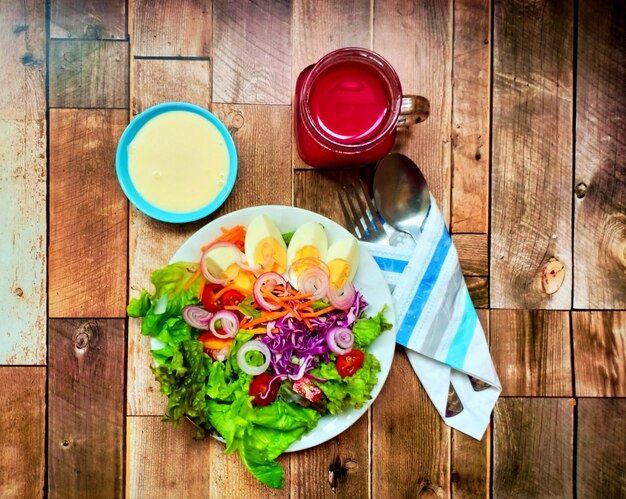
pixel 123 175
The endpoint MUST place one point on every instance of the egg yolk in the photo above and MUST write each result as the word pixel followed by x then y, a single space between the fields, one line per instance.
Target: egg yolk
pixel 309 252
pixel 339 270
pixel 271 255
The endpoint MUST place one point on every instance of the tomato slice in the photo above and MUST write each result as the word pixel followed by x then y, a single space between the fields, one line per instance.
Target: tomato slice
pixel 208 297
pixel 231 298
pixel 305 388
pixel 259 387
pixel 349 363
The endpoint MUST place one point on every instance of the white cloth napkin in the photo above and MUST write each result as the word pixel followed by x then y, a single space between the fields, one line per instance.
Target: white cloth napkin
pixel 437 323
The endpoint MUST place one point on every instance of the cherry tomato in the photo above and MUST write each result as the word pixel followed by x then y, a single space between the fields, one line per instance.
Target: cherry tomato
pixel 305 388
pixel 208 294
pixel 349 363
pixel 259 386
pixel 231 298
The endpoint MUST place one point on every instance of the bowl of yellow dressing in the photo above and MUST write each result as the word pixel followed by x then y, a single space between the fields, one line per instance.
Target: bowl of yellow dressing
pixel 176 162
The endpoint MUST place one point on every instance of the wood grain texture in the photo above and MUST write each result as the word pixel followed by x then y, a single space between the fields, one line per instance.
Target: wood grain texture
pixel 165 461
pixel 470 116
pixel 478 288
pixel 262 136
pixel 158 80
pixel 416 38
pixel 470 465
pixel 531 233
pixel 172 28
pixel 22 431
pixel 473 250
pixel 252 52
pixel 601 450
pixel 88 19
pixel 533 448
pixel 531 352
pixel 600 176
pixel 88 74
pixel 321 27
pixel 86 415
pixel 23 61
pixel 337 469
pixel 229 477
pixel 23 241
pixel 600 353
pixel 88 215
pixel 410 442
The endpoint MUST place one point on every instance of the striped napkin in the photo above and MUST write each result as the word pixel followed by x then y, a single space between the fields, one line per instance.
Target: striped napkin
pixel 438 325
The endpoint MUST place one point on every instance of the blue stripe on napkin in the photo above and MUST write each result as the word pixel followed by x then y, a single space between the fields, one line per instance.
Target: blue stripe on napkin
pixel 463 336
pixel 390 265
pixel 424 289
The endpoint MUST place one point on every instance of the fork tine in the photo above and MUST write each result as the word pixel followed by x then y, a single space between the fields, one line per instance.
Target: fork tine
pixel 356 218
pixel 372 208
pixel 363 210
pixel 348 217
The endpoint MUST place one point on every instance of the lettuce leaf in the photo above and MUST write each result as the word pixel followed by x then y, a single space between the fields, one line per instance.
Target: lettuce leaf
pixel 366 330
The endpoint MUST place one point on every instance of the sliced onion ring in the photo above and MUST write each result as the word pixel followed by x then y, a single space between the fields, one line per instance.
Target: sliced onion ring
pixel 253 345
pixel 205 271
pixel 229 324
pixel 340 340
pixel 262 280
pixel 313 280
pixel 343 298
pixel 197 317
pixel 309 261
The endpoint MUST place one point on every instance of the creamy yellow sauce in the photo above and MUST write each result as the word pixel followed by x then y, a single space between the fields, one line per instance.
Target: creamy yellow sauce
pixel 178 161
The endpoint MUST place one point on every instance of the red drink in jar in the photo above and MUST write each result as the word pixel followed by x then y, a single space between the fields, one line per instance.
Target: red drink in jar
pixel 347 108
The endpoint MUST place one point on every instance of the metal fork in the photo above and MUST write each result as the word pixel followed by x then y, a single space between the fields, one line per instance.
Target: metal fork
pixel 362 216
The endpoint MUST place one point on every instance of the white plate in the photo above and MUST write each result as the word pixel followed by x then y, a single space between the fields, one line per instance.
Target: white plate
pixel 368 280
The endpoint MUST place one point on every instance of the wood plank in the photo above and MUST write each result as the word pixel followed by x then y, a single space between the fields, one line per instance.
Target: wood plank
pixel 531 233
pixel 172 28
pixel 23 241
pixel 252 52
pixel 158 80
pixel 262 136
pixel 164 461
pixel 478 288
pixel 22 430
pixel 320 28
pixel 88 74
pixel 470 459
pixel 600 353
pixel 473 250
pixel 86 414
pixel 533 448
pixel 470 116
pixel 22 60
pixel 338 468
pixel 416 38
pixel 600 175
pixel 601 449
pixel 531 352
pixel 152 243
pixel 88 215
pixel 88 19
pixel 410 442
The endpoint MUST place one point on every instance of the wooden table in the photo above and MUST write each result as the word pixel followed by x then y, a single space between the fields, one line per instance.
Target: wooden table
pixel 525 151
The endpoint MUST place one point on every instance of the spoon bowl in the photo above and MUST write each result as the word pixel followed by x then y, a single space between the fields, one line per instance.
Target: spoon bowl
pixel 401 193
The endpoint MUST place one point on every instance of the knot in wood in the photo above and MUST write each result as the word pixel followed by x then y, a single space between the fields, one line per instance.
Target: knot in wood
pixel 552 276
pixel 427 490
pixel 234 121
pixel 581 190
pixel 83 337
pixel 336 471
pixel 19 291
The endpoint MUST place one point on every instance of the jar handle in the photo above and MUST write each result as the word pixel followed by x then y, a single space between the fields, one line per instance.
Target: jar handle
pixel 414 109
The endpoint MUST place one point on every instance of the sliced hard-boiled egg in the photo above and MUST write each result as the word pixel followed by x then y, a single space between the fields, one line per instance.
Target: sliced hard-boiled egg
pixel 308 244
pixel 343 260
pixel 264 245
pixel 222 261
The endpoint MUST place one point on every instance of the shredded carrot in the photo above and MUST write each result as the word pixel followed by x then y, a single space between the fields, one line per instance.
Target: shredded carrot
pixel 201 288
pixel 297 296
pixel 307 322
pixel 219 294
pixel 231 307
pixel 264 318
pixel 235 235
pixel 195 275
pixel 319 312
pixel 258 330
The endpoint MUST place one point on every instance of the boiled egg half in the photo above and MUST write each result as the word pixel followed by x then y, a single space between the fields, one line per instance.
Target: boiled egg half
pixel 264 245
pixel 343 261
pixel 309 243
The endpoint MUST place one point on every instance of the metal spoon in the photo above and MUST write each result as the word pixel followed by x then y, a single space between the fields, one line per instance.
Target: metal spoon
pixel 401 193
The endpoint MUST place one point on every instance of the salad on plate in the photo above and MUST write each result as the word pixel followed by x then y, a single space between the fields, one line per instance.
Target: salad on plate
pixel 262 337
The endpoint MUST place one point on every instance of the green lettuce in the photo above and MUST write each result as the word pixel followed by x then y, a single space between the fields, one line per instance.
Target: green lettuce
pixel 366 330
